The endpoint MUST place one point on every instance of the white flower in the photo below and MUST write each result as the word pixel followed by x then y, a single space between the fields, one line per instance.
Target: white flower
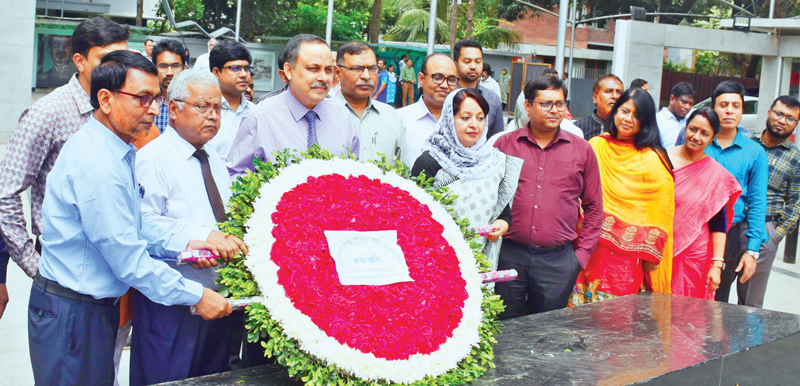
pixel 311 338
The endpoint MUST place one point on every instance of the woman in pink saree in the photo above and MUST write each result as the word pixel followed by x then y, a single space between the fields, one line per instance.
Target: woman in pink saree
pixel 704 196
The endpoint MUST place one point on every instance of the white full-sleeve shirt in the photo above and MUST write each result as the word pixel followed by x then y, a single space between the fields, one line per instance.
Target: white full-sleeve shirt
pixel 175 196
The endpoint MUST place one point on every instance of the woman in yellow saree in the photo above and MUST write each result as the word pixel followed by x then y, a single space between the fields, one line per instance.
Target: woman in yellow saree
pixel 638 203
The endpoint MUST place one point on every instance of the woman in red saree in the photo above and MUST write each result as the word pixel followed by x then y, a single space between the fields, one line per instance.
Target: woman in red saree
pixel 638 202
pixel 704 196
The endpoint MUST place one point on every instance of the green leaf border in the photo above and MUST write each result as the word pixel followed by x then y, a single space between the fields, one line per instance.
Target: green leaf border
pixel 237 282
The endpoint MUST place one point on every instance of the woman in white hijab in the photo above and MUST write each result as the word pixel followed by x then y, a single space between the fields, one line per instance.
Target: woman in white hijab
pixel 483 178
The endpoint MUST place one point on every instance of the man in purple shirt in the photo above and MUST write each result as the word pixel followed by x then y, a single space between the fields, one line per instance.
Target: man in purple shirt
pixel 300 118
pixel 560 176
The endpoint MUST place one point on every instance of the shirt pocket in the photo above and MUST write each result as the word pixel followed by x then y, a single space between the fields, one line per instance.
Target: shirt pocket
pixel 566 175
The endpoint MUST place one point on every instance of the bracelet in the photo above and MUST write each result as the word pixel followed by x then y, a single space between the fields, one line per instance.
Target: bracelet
pixel 718 259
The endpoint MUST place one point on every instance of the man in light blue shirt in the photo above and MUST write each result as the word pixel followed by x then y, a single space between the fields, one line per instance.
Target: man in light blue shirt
pixel 747 161
pixel 95 244
pixel 672 119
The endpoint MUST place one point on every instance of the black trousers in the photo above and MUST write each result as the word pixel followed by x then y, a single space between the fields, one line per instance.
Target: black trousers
pixel 545 280
pixel 733 254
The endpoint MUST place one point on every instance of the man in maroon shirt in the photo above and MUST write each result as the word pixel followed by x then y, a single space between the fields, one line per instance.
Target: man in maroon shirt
pixel 559 176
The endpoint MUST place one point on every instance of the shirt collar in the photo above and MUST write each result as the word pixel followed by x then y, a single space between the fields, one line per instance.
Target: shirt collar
pixel 737 141
pixel 561 135
pixel 786 144
pixel 243 104
pixel 669 115
pixel 184 148
pixel 119 148
pixel 299 110
pixel 596 118
pixel 370 104
pixel 422 110
pixel 79 95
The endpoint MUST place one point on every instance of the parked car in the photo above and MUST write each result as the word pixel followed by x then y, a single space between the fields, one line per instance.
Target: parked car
pixel 748 116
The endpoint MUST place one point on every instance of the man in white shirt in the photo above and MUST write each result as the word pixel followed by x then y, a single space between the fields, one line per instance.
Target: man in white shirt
pixel 230 63
pixel 672 119
pixel 438 78
pixel 202 62
pixel 186 186
pixel 487 80
pixel 380 130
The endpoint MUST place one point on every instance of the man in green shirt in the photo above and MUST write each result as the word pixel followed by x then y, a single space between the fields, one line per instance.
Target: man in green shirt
pixel 408 78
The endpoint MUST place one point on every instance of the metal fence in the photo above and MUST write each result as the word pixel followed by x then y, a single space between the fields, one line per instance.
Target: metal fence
pixel 703 85
pixel 581 105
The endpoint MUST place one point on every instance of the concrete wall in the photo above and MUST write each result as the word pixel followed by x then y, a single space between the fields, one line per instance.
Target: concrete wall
pixel 17 44
pixel 639 49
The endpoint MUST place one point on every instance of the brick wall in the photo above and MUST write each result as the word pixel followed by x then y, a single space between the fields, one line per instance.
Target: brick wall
pixel 542 29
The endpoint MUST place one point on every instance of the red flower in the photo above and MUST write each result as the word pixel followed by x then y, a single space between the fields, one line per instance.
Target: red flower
pixel 391 321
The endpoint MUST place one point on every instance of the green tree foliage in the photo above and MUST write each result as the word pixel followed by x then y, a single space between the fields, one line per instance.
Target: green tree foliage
pixel 412 23
pixel 348 25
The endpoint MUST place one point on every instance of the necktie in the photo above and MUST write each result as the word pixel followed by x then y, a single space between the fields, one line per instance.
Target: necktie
pixel 211 186
pixel 311 117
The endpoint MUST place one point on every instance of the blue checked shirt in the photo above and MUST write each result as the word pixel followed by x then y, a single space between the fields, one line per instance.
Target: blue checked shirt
pixel 783 191
pixel 162 119
pixel 747 161
pixel 94 240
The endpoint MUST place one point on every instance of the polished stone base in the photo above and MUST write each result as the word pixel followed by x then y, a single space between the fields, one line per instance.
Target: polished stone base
pixel 646 338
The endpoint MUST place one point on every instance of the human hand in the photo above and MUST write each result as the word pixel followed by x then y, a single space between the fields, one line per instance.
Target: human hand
pixel 203 263
pixel 212 305
pixel 501 227
pixel 3 299
pixel 227 245
pixel 714 277
pixel 748 263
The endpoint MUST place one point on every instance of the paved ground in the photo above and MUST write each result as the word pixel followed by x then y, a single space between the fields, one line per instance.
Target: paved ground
pixel 15 368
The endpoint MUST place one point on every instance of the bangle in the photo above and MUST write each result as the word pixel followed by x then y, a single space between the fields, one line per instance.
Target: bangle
pixel 717 259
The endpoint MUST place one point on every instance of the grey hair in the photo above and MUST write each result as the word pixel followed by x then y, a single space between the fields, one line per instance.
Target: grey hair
pixel 293 46
pixel 179 86
pixel 212 40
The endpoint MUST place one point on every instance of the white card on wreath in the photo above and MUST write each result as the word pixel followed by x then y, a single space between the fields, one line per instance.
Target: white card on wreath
pixel 367 258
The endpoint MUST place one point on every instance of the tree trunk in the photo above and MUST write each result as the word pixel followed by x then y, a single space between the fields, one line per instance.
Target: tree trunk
pixel 375 21
pixel 470 17
pixel 139 12
pixel 247 31
pixel 453 25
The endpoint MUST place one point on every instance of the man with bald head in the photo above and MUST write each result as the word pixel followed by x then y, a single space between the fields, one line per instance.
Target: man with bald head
pixel 300 118
pixel 437 78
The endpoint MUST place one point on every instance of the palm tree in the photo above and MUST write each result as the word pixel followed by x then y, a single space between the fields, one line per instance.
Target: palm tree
pixel 412 24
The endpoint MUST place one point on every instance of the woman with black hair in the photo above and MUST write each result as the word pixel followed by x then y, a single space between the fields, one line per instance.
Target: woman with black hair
pixel 705 194
pixel 638 203
pixel 484 179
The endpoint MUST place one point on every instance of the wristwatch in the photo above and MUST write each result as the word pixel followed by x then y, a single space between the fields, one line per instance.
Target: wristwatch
pixel 752 253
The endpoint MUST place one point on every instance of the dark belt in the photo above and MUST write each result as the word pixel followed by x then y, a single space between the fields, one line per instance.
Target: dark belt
pixel 406 81
pixel 772 218
pixel 54 288
pixel 541 250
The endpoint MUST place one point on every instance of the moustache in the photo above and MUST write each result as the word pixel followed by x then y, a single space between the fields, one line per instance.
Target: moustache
pixel 365 83
pixel 319 84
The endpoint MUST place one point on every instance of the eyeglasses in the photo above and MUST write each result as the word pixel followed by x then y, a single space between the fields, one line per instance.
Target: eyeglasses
pixel 547 106
pixel 203 109
pixel 173 66
pixel 779 115
pixel 373 69
pixel 625 113
pixel 238 69
pixel 145 100
pixel 439 78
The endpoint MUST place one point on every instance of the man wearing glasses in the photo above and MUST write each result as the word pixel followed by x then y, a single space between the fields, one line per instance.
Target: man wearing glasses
pixel 437 78
pixel 560 176
pixel 230 62
pixel 380 130
pixel 169 57
pixel 783 190
pixel 186 190
pixel 95 243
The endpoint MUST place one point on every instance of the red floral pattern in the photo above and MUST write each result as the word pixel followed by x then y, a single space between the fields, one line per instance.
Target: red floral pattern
pixel 391 321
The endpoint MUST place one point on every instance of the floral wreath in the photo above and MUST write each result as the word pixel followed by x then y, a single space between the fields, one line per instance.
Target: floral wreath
pixel 437 330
